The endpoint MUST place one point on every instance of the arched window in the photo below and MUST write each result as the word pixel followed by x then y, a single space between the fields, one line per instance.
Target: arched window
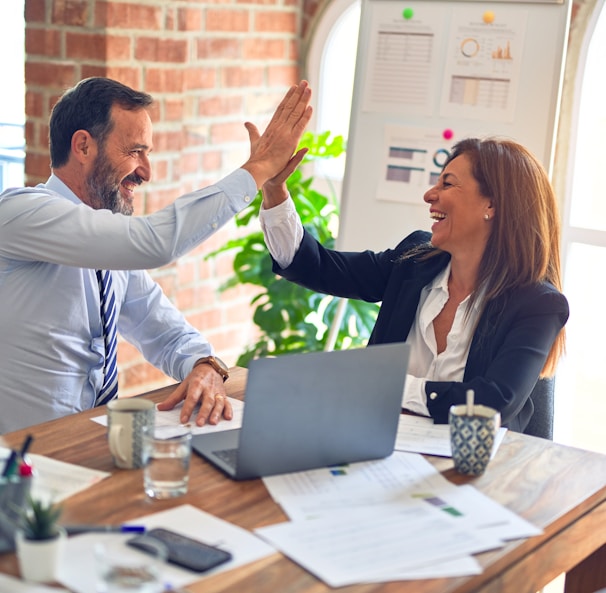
pixel 581 382
pixel 330 68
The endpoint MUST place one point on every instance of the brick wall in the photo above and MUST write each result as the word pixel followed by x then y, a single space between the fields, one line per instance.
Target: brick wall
pixel 210 65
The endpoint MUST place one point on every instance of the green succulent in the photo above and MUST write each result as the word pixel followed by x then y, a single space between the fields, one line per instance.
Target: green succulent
pixel 38 519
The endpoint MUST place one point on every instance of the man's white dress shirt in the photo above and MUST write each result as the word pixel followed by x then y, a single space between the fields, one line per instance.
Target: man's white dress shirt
pixel 51 337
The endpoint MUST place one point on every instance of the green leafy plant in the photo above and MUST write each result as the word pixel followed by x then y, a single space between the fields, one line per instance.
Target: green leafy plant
pixel 38 520
pixel 291 318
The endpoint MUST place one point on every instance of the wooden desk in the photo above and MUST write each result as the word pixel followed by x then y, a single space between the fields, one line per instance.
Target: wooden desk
pixel 560 489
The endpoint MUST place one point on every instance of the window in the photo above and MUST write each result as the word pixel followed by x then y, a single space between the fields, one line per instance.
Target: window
pixel 581 383
pixel 12 107
pixel 331 68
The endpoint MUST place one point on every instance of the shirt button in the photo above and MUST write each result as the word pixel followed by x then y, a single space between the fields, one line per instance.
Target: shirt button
pixel 214 225
pixel 247 198
pixel 433 395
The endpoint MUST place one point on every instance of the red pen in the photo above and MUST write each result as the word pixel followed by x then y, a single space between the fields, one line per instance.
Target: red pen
pixel 25 470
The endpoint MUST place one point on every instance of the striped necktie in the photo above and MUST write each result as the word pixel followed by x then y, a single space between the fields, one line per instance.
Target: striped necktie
pixel 108 315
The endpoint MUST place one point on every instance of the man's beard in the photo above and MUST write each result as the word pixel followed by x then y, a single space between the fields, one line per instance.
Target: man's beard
pixel 103 192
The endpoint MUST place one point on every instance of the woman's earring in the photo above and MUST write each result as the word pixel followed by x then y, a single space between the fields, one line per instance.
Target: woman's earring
pixel 486 217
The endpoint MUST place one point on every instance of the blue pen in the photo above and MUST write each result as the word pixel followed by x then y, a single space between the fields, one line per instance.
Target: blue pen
pixel 25 447
pixel 10 465
pixel 75 529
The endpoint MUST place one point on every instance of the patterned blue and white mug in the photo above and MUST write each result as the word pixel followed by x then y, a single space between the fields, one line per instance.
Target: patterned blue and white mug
pixel 128 420
pixel 472 437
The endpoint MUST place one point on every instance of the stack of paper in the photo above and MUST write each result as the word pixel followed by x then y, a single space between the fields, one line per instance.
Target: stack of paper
pixel 386 520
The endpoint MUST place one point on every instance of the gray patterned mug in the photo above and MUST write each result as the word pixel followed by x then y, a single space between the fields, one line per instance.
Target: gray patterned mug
pixel 128 420
pixel 472 437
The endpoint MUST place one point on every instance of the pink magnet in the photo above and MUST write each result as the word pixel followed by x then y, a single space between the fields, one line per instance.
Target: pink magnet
pixel 447 134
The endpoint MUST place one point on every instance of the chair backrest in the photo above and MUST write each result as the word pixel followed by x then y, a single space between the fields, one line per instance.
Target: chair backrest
pixel 541 422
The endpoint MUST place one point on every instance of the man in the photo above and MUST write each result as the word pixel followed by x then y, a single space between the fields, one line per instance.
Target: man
pixel 59 306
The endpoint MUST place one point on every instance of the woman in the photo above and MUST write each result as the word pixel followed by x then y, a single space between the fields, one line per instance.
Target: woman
pixel 478 298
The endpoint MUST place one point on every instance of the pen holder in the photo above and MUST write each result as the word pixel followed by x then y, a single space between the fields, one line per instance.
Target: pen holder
pixel 13 497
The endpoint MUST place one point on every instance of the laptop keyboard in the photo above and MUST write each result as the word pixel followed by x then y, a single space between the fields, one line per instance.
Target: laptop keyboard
pixel 228 456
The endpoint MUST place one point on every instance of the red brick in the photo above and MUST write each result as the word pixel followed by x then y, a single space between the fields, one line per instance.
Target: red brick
pixel 37 164
pixel 237 314
pixel 192 300
pixel 167 140
pixel 41 136
pixel 128 16
pixel 260 2
pixel 151 49
pixel 130 76
pixel 218 48
pixel 42 42
pixel 33 104
pixel 262 49
pixel 49 75
pixel 220 105
pixel 169 80
pixel 159 170
pixel 195 135
pixel 186 271
pixel 85 46
pixel 199 78
pixel 239 76
pixel 294 50
pixel 167 284
pixel 140 374
pixel 189 19
pixel 70 12
pixel 35 11
pixel 173 109
pixel 275 21
pixel 190 162
pixel 227 132
pixel 118 47
pixel 212 161
pixel 227 20
pixel 206 319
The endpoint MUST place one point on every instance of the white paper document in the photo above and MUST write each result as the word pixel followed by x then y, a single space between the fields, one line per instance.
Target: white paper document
pixel 56 480
pixel 309 494
pixel 169 423
pixel 370 543
pixel 407 501
pixel 421 435
pixel 78 571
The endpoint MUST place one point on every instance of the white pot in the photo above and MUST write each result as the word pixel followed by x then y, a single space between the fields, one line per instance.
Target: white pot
pixel 39 560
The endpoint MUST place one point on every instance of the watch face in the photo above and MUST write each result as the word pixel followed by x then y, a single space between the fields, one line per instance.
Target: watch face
pixel 221 364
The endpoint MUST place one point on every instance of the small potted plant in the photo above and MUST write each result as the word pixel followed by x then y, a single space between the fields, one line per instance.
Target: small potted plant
pixel 39 540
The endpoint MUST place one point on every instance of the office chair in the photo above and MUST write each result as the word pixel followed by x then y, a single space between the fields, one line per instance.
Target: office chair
pixel 541 422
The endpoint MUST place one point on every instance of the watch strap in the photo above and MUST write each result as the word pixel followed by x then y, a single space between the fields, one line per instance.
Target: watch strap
pixel 216 363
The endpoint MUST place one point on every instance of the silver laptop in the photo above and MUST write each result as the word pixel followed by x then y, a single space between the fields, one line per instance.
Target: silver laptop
pixel 305 411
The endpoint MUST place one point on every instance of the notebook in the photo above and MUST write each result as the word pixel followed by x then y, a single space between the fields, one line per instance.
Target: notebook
pixel 305 411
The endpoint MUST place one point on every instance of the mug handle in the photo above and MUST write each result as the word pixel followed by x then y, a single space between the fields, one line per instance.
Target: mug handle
pixel 114 442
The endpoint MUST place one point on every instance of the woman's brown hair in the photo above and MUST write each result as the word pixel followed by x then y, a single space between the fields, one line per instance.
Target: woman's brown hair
pixel 524 245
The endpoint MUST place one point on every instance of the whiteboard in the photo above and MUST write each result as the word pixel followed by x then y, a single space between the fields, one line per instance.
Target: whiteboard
pixel 430 73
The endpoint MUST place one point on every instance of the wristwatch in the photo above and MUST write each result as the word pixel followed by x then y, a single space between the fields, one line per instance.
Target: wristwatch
pixel 216 363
